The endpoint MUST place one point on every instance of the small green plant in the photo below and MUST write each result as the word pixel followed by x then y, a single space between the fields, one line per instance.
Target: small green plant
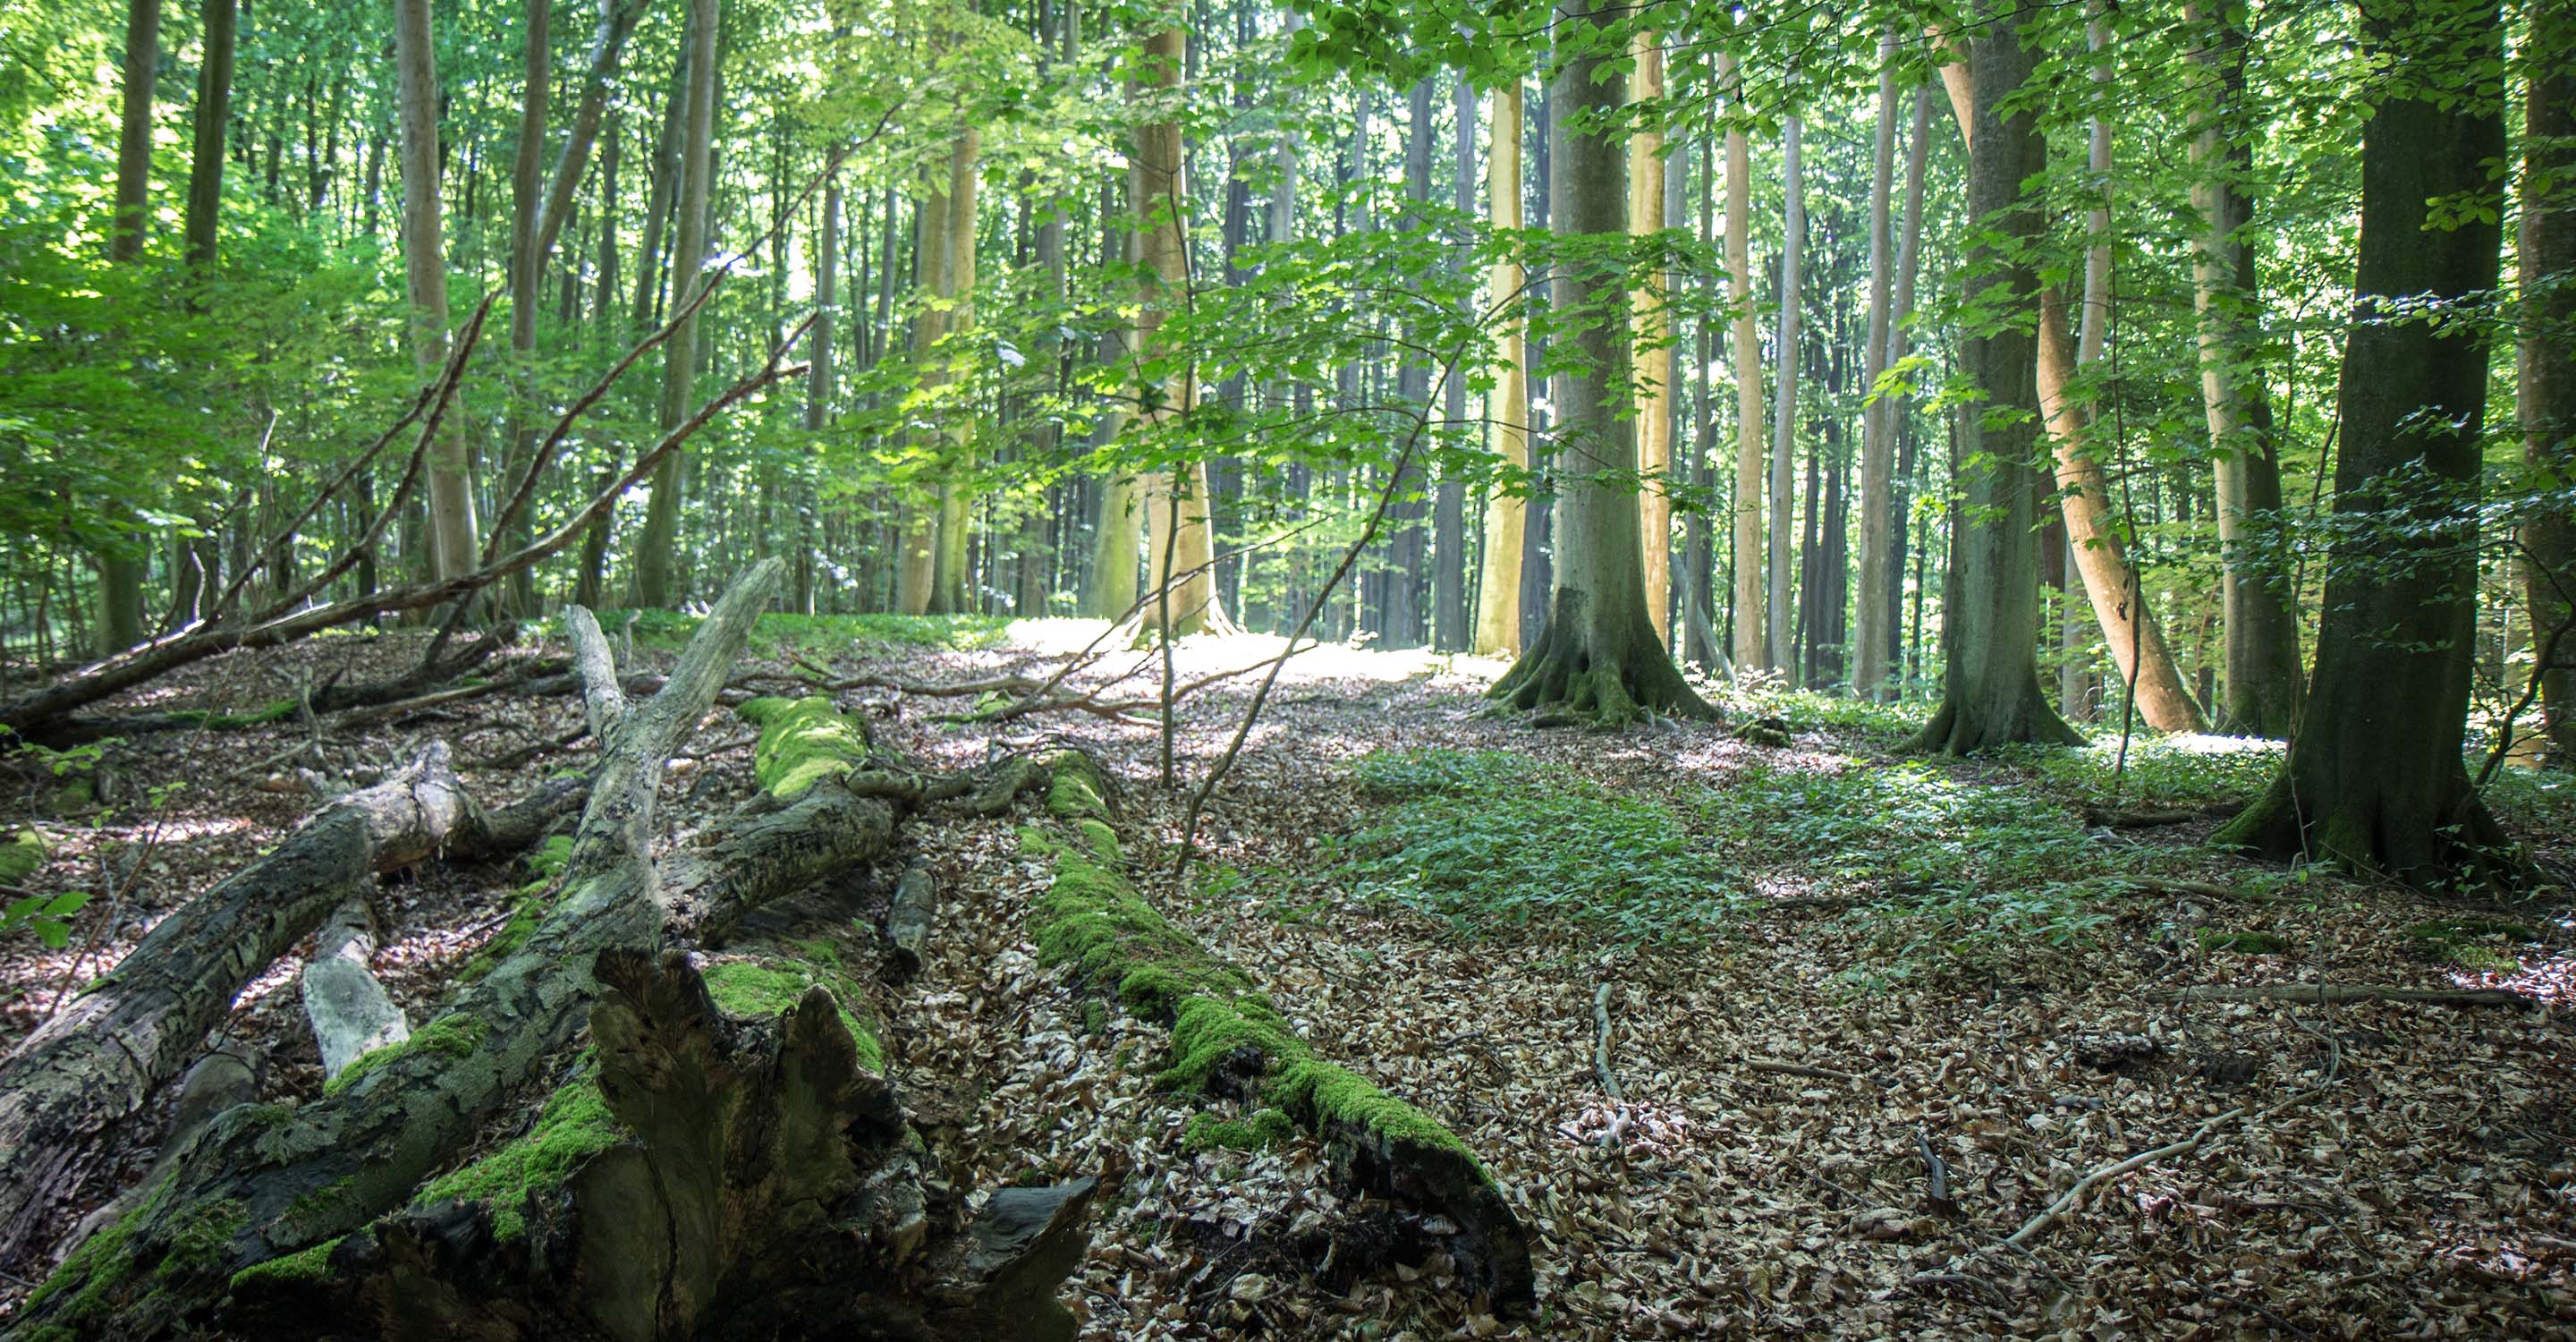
pixel 1562 852
pixel 1390 775
pixel 48 916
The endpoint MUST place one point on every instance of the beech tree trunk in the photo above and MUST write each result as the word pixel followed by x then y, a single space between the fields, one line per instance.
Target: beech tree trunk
pixel 1878 418
pixel 1498 591
pixel 1599 658
pixel 121 563
pixel 2374 779
pixel 1752 642
pixel 956 285
pixel 657 581
pixel 1180 547
pixel 1990 692
pixel 1783 652
pixel 2548 382
pixel 1653 338
pixel 452 530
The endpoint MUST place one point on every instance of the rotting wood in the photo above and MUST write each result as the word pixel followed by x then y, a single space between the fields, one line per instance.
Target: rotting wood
pixel 909 915
pixel 94 1064
pixel 350 1012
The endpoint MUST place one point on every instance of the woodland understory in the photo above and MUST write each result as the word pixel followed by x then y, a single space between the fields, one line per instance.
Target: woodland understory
pixel 1821 1067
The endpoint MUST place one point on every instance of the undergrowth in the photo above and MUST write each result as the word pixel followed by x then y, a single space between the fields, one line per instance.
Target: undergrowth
pixel 1488 839
pixel 818 635
pixel 2160 771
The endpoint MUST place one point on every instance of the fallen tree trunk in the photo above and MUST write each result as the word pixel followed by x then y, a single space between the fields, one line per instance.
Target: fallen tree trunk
pixel 93 1065
pixel 350 1012
pixel 267 1182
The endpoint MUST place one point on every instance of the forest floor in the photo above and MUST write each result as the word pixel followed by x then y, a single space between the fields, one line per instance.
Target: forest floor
pixel 1832 972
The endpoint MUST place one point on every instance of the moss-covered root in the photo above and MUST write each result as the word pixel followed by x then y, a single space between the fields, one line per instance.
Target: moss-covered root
pixel 802 742
pixel 1228 1039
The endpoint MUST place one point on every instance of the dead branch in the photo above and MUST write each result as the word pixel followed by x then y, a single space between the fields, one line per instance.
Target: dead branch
pixel 1601 1045
pixel 2335 994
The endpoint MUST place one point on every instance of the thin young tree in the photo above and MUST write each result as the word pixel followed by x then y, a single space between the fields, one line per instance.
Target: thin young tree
pixel 452 547
pixel 121 564
pixel 1752 643
pixel 657 579
pixel 1878 418
pixel 1781 654
pixel 2547 255
pixel 1498 592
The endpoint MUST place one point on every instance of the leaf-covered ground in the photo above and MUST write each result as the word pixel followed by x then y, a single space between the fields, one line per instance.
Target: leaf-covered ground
pixel 1830 971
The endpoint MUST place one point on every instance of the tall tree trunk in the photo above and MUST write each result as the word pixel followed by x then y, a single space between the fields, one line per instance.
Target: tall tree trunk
pixel 956 286
pixel 212 121
pixel 1653 335
pixel 2548 381
pixel 1991 693
pixel 1752 642
pixel 527 273
pixel 452 548
pixel 2129 625
pixel 1498 592
pixel 916 574
pixel 1180 546
pixel 2262 631
pixel 2374 778
pixel 1878 418
pixel 1449 529
pixel 656 550
pixel 122 561
pixel 1784 412
pixel 1598 658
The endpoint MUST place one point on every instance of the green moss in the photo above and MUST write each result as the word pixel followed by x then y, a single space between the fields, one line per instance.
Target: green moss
pixel 802 742
pixel 308 1265
pixel 1076 787
pixel 760 989
pixel 2482 960
pixel 1260 1130
pixel 2243 943
pixel 197 1243
pixel 524 918
pixel 22 855
pixel 574 1126
pixel 551 857
pixel 1325 1095
pixel 2443 932
pixel 1095 1016
pixel 257 717
pixel 1092 918
pixel 452 1035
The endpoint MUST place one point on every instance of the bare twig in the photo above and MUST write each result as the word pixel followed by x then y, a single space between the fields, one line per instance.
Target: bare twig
pixel 1601 1045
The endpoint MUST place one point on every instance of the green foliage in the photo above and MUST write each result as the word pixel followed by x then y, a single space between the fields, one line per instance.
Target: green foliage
pixel 2474 942
pixel 1551 849
pixel 1391 774
pixel 1808 710
pixel 1964 871
pixel 777 635
pixel 2175 771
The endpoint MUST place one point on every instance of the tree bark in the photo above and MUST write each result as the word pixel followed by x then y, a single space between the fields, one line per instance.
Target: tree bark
pixel 211 122
pixel 1498 590
pixel 1752 642
pixel 1878 417
pixel 657 580
pixel 948 585
pixel 1599 658
pixel 1991 693
pixel 452 546
pixel 2374 779
pixel 1782 655
pixel 2548 382
pixel 1180 548
pixel 122 562
pixel 1653 336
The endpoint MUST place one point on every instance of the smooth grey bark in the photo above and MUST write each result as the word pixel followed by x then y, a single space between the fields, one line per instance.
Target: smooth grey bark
pixel 656 548
pixel 1781 654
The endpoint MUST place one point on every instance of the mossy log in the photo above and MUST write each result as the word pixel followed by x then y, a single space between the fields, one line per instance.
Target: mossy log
pixel 721 1173
pixel 96 1063
pixel 1229 1040
pixel 287 1200
pixel 266 1181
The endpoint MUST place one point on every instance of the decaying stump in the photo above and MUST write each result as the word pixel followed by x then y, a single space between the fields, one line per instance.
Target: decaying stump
pixel 92 1066
pixel 753 1180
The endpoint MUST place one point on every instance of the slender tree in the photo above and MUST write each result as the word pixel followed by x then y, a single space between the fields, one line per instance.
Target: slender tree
pixel 452 531
pixel 1878 418
pixel 2547 255
pixel 1752 643
pixel 1498 592
pixel 1653 337
pixel 657 581
pixel 121 564
pixel 1782 656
